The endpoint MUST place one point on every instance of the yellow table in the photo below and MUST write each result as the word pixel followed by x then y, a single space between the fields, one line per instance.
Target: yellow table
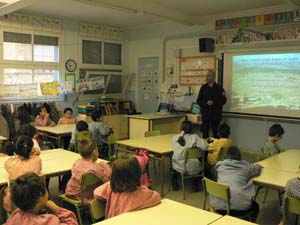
pixel 278 169
pixel 165 122
pixel 158 146
pixel 57 132
pixel 229 220
pixel 54 162
pixel 287 161
pixel 167 213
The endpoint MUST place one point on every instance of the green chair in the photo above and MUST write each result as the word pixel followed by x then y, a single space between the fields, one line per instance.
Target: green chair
pixel 150 134
pixel 290 205
pixel 88 180
pixel 190 153
pixel 216 189
pixel 80 136
pixel 221 191
pixel 97 210
pixel 111 140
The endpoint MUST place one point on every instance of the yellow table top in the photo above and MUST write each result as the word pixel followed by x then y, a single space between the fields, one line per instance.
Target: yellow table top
pixel 167 213
pixel 154 116
pixel 272 178
pixel 158 144
pixel 288 161
pixel 3 138
pixel 229 220
pixel 58 129
pixel 54 162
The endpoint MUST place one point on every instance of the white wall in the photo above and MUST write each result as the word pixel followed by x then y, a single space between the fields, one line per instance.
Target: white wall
pixel 151 40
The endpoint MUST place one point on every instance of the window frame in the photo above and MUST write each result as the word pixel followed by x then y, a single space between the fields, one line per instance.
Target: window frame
pixel 33 65
pixel 100 66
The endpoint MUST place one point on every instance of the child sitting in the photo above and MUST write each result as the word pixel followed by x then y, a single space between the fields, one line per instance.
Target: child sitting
pixel 25 161
pixel 181 142
pixel 43 118
pixel 98 129
pixel 238 175
pixel 68 117
pixel 30 196
pixel 81 127
pixel 124 192
pixel 275 134
pixel 30 131
pixel 214 148
pixel 87 164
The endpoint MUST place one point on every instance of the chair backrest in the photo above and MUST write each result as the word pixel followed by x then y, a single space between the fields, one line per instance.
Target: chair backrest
pixel 111 140
pixel 193 153
pixel 216 189
pixel 97 209
pixel 290 205
pixel 80 136
pixel 4 129
pixel 88 180
pixel 152 133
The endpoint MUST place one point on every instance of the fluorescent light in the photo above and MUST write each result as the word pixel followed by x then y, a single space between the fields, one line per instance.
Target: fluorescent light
pixel 9 1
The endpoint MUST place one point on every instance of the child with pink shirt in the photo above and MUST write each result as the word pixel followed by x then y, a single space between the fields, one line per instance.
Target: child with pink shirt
pixel 25 161
pixel 124 192
pixel 30 131
pixel 43 118
pixel 87 164
pixel 31 198
pixel 68 117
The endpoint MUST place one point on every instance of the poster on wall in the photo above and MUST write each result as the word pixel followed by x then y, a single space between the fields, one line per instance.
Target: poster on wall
pixel 193 70
pixel 9 91
pixel 50 88
pixel 28 90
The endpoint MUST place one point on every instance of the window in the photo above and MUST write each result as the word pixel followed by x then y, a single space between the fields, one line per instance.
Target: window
pixel 45 49
pixel 29 58
pixel 91 52
pixel 112 53
pixel 17 46
pixel 101 53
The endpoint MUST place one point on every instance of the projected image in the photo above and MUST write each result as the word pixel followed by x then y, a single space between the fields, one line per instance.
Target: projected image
pixel 264 82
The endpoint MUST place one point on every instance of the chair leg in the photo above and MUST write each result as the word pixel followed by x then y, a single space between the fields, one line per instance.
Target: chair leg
pixel 265 197
pixel 182 184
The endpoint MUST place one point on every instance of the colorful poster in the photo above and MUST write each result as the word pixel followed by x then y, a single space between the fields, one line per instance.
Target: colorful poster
pixel 243 22
pixel 50 88
pixel 269 19
pixel 227 23
pixel 259 20
pixel 251 21
pixel 235 23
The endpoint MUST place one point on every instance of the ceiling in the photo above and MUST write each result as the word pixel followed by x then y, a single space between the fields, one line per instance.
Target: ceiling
pixel 133 13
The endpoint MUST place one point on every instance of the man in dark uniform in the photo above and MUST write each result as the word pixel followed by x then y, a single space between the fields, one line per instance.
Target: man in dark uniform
pixel 211 99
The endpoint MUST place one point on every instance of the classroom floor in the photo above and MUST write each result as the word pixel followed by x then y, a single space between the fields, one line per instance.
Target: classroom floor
pixel 269 211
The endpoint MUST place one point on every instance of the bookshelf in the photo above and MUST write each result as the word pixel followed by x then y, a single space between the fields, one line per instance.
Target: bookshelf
pixel 115 114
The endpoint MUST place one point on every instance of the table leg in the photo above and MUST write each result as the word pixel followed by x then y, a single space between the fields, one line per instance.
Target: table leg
pixel 162 176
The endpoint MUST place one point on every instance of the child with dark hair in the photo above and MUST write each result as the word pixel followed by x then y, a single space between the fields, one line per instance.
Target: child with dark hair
pixel 270 147
pixel 238 174
pixel 25 161
pixel 68 117
pixel 214 148
pixel 98 129
pixel 30 195
pixel 30 131
pixel 87 164
pixel 181 142
pixel 124 192
pixel 43 118
pixel 81 127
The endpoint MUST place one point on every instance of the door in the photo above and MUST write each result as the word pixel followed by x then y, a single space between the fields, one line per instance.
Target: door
pixel 148 85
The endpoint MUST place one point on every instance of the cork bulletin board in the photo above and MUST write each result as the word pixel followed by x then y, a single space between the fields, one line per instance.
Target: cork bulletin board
pixel 193 70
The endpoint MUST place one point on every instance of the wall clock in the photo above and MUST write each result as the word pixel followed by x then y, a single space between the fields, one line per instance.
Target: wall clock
pixel 71 65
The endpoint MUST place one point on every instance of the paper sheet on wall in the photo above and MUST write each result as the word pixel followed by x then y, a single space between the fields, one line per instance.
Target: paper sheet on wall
pixel 28 90
pixel 65 87
pixel 50 88
pixel 9 91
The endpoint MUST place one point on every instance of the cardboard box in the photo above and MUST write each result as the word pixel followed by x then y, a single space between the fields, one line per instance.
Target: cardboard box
pixel 195 118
